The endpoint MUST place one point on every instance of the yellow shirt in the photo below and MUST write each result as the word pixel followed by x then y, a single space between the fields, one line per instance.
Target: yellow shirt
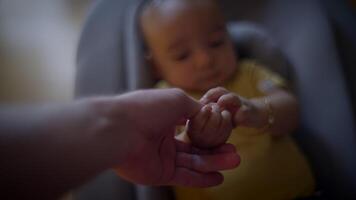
pixel 271 168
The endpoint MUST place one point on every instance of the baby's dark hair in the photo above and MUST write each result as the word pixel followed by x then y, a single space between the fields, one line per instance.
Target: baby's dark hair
pixel 153 3
pixel 146 5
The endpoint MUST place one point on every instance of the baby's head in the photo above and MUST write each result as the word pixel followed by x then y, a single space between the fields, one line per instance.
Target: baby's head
pixel 187 43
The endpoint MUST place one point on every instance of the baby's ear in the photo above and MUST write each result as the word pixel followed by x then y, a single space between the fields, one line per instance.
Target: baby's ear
pixel 148 56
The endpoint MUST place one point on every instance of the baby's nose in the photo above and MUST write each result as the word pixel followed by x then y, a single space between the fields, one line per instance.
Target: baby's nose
pixel 204 59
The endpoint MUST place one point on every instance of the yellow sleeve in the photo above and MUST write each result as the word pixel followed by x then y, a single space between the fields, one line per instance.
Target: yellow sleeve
pixel 262 79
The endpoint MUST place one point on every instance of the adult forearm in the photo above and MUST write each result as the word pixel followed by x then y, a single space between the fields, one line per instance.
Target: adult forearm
pixel 46 151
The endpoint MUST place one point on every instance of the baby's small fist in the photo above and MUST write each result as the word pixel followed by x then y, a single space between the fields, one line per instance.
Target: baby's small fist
pixel 225 99
pixel 211 127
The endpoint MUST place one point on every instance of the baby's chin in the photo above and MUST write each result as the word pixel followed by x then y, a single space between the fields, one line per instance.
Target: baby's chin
pixel 203 85
pixel 202 88
pixel 219 81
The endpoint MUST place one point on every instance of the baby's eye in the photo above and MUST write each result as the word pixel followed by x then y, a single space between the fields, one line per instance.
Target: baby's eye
pixel 217 43
pixel 181 57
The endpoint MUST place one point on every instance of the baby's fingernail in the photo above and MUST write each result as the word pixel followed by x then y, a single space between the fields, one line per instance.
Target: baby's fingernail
pixel 206 108
pixel 215 108
pixel 225 114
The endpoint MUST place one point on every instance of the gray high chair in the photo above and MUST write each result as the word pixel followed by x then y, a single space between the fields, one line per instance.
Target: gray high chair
pixel 302 48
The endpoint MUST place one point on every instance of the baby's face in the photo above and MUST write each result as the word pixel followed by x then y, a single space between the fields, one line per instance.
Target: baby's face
pixel 189 43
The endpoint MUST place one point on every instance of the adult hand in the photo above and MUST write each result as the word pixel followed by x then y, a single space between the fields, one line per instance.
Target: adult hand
pixel 152 155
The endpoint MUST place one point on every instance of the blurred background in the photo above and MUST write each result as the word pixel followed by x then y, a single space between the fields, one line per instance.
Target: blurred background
pixel 38 40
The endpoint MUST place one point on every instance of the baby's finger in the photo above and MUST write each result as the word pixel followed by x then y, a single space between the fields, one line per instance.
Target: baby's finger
pixel 230 102
pixel 205 137
pixel 213 95
pixel 196 124
pixel 225 126
pixel 214 121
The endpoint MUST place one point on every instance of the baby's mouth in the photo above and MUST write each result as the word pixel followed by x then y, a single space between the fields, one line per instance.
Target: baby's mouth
pixel 211 76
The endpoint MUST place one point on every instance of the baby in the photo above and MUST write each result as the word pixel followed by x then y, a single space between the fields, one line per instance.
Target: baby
pixel 188 47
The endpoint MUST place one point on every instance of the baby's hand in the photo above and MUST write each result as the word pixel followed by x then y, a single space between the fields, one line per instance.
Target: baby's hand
pixel 211 127
pixel 244 112
pixel 224 99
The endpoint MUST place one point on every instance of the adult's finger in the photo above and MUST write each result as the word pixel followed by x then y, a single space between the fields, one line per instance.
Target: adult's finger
pixel 208 163
pixel 190 178
pixel 188 148
pixel 184 104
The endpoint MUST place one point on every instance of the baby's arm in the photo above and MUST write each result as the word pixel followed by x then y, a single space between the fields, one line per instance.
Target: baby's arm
pixel 277 111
